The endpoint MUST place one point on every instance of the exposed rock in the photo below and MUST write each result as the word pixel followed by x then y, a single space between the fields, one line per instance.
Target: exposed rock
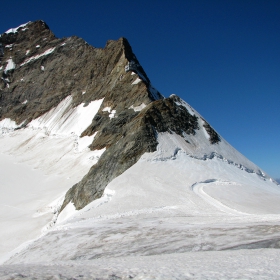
pixel 48 69
pixel 214 136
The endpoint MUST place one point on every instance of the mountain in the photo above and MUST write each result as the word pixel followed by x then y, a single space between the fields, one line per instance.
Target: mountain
pixel 108 167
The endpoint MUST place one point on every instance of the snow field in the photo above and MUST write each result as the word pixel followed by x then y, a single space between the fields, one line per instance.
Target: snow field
pixel 153 209
pixel 240 264
pixel 181 208
pixel 38 165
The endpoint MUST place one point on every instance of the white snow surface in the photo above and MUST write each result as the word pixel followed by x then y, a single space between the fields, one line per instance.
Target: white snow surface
pixel 107 109
pixel 138 108
pixel 67 212
pixel 65 120
pixel 137 81
pixel 186 211
pixel 38 165
pixel 10 65
pixel 7 125
pixel 36 169
pixel 9 46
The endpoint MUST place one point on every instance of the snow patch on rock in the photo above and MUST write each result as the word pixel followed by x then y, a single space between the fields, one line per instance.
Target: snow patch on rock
pixel 138 108
pixel 14 30
pixel 10 65
pixel 47 52
pixel 137 81
pixel 110 111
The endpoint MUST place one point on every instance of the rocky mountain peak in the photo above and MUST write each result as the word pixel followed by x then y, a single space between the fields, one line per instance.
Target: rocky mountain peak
pixel 39 70
pixel 46 80
pixel 30 32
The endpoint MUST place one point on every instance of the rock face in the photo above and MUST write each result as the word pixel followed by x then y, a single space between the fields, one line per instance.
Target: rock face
pixel 44 70
pixel 39 70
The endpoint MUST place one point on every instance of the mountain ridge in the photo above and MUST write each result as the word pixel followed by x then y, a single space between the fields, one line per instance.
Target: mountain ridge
pixel 61 75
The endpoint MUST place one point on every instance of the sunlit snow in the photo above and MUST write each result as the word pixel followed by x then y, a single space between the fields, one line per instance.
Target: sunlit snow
pixel 10 65
pixel 7 125
pixel 137 81
pixel 48 157
pixel 165 207
pixel 138 108
pixel 66 120
pixel 47 52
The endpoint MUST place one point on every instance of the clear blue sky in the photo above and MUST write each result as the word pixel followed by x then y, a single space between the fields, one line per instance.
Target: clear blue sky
pixel 222 57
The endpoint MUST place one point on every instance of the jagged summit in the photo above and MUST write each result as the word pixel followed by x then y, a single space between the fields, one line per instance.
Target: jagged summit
pixel 28 32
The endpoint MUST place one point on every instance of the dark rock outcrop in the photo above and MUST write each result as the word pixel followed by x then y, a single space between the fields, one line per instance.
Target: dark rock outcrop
pixel 214 136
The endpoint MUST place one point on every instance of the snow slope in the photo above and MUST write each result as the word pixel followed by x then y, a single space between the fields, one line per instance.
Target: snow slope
pixel 153 210
pixel 199 147
pixel 173 206
pixel 38 165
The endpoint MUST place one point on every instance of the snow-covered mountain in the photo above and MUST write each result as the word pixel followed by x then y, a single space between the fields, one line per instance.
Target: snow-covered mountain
pixel 99 168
